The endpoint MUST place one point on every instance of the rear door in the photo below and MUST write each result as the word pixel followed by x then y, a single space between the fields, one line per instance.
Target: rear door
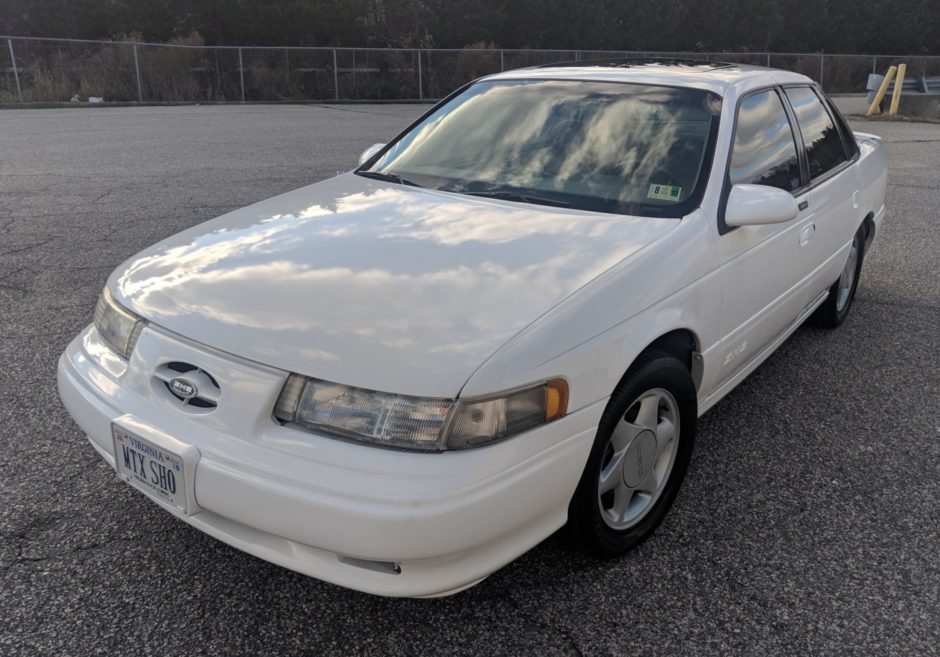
pixel 830 200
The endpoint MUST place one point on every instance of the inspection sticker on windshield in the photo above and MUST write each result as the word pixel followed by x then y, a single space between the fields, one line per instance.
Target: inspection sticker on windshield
pixel 664 192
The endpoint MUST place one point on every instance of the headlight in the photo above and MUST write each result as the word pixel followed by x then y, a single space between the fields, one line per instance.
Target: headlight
pixel 116 325
pixel 417 423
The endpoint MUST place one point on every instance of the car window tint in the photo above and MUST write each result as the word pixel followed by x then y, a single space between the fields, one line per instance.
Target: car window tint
pixel 848 137
pixel 824 148
pixel 764 151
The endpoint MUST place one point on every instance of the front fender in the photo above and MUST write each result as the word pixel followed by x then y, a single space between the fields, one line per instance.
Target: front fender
pixel 593 336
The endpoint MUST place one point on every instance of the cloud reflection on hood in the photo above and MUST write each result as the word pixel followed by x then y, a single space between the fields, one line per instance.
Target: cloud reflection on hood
pixel 367 276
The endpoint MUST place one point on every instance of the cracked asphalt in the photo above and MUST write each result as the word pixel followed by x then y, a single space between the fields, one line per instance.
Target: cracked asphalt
pixel 809 523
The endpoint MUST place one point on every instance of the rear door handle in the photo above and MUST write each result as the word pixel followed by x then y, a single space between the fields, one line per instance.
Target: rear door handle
pixel 807 234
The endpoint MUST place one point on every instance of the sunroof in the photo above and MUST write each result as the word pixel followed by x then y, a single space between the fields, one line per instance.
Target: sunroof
pixel 639 62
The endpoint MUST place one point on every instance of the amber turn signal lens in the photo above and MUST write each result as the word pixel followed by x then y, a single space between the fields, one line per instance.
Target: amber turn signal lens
pixel 556 399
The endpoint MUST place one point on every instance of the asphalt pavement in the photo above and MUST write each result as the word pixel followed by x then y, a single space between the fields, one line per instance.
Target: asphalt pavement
pixel 809 523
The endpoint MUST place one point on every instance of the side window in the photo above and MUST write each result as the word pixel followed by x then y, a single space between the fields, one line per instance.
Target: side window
pixel 848 137
pixel 764 152
pixel 824 148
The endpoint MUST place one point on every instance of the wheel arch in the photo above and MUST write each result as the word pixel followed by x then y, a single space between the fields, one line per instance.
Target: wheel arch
pixel 681 343
pixel 868 225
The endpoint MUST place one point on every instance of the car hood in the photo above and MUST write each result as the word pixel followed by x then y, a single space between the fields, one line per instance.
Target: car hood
pixel 374 284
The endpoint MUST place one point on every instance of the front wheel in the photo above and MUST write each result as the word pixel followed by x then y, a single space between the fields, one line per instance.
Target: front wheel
pixel 639 458
pixel 835 308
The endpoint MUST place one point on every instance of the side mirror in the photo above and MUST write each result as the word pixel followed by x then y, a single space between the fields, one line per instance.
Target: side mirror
pixel 756 205
pixel 369 152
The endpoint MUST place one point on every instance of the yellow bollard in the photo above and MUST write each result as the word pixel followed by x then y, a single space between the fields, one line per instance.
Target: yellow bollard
pixel 882 90
pixel 898 88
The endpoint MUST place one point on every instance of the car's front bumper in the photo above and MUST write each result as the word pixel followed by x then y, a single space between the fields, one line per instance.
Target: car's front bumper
pixel 381 521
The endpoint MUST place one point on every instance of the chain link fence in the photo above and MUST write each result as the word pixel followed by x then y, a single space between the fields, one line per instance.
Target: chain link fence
pixel 44 70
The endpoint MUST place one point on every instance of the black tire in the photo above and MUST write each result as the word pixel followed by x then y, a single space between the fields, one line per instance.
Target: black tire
pixel 652 370
pixel 829 314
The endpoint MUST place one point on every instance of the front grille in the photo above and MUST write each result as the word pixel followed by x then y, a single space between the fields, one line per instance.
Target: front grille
pixel 171 379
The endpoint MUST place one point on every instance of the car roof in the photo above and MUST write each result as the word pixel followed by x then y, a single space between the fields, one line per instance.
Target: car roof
pixel 697 74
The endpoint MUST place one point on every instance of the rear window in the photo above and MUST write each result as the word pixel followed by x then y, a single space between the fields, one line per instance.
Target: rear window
pixel 603 146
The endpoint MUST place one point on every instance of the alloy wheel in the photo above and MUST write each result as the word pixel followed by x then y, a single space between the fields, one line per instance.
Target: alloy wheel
pixel 639 458
pixel 847 279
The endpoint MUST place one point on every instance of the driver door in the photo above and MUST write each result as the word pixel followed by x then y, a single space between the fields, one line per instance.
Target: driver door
pixel 766 268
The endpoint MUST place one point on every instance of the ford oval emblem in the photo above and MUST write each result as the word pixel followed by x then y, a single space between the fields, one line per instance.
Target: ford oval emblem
pixel 183 388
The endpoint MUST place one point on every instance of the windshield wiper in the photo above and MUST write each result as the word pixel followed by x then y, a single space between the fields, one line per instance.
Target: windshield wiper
pixel 519 196
pixel 387 177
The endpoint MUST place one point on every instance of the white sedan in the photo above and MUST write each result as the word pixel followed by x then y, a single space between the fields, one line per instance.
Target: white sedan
pixel 507 319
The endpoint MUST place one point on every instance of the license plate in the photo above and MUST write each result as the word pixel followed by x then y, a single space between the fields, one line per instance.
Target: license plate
pixel 152 469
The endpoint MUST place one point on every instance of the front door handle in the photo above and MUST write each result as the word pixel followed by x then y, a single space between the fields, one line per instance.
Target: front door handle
pixel 807 234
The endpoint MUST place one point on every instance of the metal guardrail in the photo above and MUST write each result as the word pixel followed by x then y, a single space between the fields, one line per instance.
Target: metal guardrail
pixel 56 70
pixel 920 84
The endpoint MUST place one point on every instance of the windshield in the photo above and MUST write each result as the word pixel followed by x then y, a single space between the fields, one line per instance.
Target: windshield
pixel 602 146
